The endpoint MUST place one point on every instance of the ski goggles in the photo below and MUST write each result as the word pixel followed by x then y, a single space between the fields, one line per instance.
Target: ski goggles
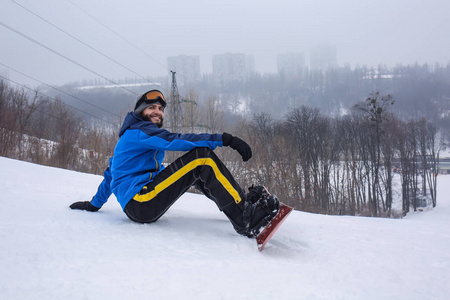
pixel 151 97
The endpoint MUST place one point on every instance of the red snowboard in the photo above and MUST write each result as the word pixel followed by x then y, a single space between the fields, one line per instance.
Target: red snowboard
pixel 268 231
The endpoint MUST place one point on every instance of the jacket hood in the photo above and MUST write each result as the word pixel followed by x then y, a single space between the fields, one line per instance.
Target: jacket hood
pixel 131 119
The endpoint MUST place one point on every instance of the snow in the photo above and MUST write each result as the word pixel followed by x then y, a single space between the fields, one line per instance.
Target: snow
pixel 49 251
pixel 113 86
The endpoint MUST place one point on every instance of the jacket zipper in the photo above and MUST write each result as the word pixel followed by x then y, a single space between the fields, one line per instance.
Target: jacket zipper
pixel 157 165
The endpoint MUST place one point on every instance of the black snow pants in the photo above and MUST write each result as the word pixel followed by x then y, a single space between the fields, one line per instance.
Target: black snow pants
pixel 199 167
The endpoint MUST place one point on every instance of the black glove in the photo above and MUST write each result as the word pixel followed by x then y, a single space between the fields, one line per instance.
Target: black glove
pixel 237 144
pixel 84 205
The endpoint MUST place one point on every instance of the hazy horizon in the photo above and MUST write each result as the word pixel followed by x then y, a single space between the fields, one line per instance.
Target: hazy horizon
pixel 363 32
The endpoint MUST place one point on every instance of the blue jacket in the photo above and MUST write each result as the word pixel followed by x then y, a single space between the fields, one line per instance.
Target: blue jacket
pixel 139 154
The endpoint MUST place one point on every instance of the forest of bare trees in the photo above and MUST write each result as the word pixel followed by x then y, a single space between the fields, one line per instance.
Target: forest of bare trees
pixel 357 164
pixel 366 162
pixel 43 130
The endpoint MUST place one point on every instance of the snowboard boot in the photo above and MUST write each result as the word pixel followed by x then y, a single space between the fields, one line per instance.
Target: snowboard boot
pixel 254 212
pixel 260 208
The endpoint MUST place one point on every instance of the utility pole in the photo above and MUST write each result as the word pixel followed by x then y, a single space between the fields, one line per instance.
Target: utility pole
pixel 175 105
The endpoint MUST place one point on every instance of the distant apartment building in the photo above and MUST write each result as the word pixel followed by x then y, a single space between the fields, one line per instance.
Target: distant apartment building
pixel 323 57
pixel 291 64
pixel 187 68
pixel 232 67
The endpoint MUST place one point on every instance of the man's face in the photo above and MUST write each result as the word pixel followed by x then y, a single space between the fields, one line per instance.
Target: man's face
pixel 154 113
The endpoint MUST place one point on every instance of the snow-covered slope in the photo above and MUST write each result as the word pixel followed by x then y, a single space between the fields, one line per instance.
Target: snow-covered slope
pixel 48 251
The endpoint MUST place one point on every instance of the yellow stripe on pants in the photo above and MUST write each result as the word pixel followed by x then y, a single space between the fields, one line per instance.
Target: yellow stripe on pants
pixel 183 171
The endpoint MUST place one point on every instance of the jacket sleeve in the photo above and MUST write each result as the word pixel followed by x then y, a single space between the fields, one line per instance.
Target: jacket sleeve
pixel 162 139
pixel 104 189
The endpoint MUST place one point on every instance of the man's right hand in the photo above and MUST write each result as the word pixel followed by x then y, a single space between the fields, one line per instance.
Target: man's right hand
pixel 84 205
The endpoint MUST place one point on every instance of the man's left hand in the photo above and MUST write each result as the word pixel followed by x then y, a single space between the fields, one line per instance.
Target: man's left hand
pixel 237 144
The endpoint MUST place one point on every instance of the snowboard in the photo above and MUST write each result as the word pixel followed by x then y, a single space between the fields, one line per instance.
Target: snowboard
pixel 266 234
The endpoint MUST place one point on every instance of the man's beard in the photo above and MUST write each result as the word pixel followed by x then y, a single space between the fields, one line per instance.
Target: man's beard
pixel 149 118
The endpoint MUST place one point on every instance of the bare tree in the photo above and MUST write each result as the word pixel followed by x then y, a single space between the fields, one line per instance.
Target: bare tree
pixel 374 108
pixel 191 112
pixel 68 132
pixel 213 115
pixel 302 122
pixel 429 156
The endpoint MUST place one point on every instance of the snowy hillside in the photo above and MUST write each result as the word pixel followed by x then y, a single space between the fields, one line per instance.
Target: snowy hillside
pixel 48 251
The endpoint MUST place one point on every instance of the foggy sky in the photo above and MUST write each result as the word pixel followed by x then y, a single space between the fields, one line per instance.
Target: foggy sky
pixel 364 32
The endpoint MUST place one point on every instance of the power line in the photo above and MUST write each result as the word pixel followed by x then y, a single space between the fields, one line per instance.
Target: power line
pixel 121 37
pixel 61 91
pixel 56 100
pixel 44 112
pixel 80 41
pixel 63 56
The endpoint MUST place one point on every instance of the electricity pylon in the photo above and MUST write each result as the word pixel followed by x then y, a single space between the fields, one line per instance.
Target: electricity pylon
pixel 175 106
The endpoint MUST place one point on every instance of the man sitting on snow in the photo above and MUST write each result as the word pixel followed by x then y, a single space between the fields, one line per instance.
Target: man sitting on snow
pixel 146 190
